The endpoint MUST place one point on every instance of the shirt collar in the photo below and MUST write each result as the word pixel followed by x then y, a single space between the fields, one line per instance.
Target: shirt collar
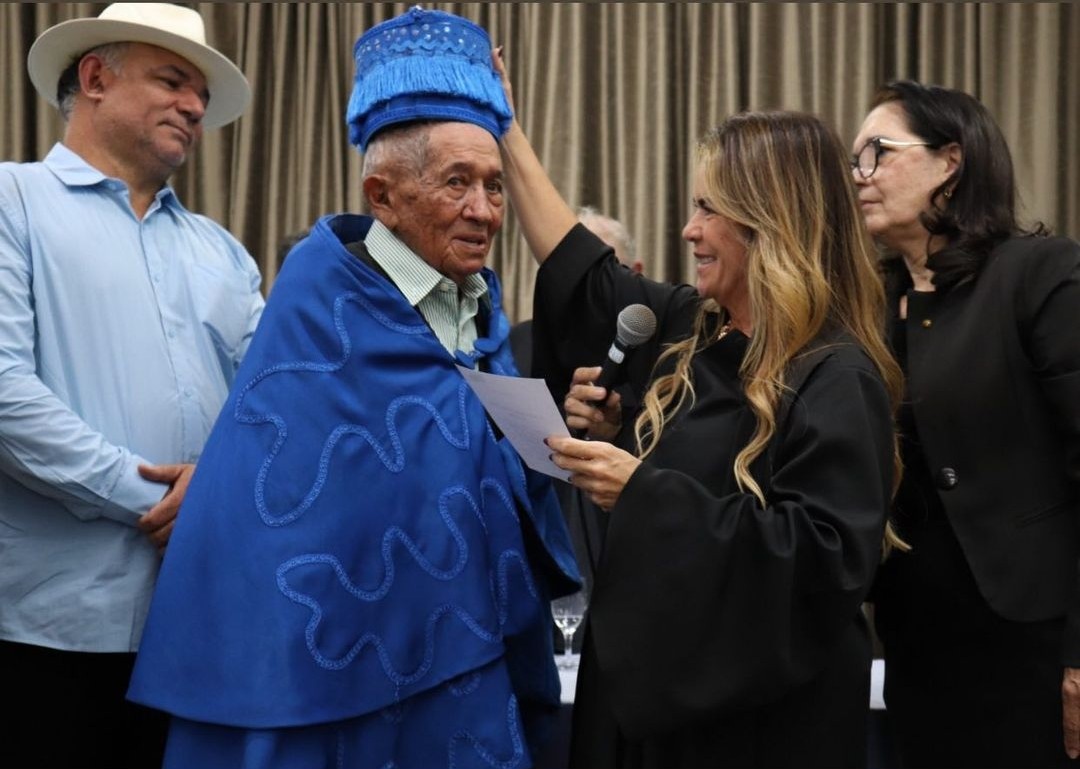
pixel 414 277
pixel 475 286
pixel 72 170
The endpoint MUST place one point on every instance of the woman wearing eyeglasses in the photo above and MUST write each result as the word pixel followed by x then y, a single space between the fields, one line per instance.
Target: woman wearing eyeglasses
pixel 981 619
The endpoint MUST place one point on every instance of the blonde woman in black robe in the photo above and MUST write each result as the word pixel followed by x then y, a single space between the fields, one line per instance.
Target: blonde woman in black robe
pixel 748 499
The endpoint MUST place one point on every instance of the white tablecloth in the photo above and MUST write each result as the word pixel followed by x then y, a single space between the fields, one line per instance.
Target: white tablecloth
pixel 568 677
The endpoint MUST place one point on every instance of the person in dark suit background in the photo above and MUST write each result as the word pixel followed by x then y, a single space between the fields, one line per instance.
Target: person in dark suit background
pixel 981 619
pixel 614 233
pixel 288 243
pixel 611 231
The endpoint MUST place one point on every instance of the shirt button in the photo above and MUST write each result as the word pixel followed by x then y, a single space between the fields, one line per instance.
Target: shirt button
pixel 947 478
pixel 927 323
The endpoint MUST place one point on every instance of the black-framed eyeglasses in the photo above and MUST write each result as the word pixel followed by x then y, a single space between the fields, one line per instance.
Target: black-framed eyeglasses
pixel 865 161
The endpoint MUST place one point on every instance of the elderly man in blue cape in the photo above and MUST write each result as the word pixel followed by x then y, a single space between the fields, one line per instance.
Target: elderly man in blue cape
pixel 362 572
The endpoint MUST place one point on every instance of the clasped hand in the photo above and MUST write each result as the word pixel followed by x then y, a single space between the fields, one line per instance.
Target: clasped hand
pixel 158 523
pixel 597 467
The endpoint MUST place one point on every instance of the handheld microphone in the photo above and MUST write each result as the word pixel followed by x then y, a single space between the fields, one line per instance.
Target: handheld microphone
pixel 635 325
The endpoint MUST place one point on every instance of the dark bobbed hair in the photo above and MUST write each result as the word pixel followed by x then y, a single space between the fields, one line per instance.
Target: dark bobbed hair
pixel 979 211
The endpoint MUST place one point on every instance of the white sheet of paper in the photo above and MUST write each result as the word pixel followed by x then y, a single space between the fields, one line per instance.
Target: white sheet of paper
pixel 525 412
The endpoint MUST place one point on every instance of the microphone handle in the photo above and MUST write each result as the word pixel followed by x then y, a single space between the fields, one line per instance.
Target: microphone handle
pixel 609 371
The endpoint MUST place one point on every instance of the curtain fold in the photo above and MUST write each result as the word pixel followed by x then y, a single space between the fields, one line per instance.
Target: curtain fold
pixel 613 96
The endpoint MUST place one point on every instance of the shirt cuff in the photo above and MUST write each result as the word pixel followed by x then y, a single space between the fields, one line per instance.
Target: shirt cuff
pixel 133 495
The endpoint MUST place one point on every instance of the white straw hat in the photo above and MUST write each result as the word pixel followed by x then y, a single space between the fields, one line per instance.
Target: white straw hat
pixel 168 26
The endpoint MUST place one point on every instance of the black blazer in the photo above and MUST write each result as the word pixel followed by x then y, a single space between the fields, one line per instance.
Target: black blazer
pixel 994 381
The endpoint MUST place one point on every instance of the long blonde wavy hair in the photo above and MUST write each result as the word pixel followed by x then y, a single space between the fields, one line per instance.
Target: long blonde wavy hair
pixel 783 178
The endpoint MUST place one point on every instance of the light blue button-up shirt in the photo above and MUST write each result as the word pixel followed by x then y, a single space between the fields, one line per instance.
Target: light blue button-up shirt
pixel 119 339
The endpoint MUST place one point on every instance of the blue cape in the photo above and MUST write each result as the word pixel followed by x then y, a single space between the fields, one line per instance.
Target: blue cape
pixel 355 534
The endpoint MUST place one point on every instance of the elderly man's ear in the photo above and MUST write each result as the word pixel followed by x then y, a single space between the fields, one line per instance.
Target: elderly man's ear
pixel 377 191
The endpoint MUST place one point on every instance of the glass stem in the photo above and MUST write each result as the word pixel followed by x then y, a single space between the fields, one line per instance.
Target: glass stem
pixel 568 646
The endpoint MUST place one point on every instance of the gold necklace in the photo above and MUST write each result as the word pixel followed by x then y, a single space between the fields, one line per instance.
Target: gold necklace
pixel 724 330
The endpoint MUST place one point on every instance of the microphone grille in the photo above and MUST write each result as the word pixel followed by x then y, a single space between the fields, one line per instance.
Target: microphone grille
pixel 636 324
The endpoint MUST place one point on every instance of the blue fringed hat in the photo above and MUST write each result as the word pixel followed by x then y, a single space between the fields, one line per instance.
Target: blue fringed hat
pixel 425 65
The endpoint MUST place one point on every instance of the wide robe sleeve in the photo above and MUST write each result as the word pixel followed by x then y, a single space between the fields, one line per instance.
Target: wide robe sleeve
pixel 708 604
pixel 580 290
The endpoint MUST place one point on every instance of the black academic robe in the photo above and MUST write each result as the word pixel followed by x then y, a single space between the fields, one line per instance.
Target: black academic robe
pixel 722 633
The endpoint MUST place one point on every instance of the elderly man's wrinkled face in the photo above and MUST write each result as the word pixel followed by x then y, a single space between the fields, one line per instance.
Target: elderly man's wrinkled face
pixel 450 214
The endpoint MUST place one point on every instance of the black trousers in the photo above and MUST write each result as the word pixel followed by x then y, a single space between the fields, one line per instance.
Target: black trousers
pixel 964 687
pixel 67 709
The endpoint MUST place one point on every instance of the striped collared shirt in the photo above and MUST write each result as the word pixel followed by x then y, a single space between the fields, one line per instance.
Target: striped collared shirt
pixel 450 312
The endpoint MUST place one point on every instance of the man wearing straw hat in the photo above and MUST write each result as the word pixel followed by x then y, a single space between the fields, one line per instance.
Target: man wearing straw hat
pixel 125 317
pixel 362 572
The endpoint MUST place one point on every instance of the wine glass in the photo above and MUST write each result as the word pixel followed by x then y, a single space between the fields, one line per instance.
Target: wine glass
pixel 568 612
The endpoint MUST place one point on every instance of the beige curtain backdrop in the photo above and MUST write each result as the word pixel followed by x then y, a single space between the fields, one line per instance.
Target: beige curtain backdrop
pixel 613 96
